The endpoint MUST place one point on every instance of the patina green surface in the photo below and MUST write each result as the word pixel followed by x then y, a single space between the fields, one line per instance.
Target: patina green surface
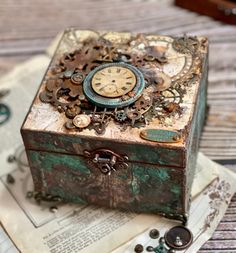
pixel 76 144
pixel 140 188
pixel 160 135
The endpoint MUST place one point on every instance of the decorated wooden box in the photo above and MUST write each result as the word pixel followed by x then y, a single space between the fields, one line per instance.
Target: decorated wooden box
pixel 117 119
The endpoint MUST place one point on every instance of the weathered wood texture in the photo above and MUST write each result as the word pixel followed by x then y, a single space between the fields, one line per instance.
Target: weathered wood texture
pixel 27 27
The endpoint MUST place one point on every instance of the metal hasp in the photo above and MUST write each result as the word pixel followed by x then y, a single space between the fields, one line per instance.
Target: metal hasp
pixel 106 161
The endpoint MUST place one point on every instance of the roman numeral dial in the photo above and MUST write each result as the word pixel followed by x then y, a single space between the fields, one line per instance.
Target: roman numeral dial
pixel 113 81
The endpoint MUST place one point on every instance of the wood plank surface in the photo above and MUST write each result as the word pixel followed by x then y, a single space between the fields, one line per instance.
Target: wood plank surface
pixel 27 27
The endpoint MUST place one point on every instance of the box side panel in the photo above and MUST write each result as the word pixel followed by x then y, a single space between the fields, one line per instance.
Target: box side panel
pixel 195 133
pixel 139 188
pixel 168 155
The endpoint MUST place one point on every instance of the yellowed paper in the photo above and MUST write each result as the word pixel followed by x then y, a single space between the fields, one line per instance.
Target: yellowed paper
pixel 206 210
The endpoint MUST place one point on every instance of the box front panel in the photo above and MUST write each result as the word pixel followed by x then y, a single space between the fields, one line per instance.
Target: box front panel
pixel 162 154
pixel 139 187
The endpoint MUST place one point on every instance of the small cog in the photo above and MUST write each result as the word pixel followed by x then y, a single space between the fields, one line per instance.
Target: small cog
pixel 120 116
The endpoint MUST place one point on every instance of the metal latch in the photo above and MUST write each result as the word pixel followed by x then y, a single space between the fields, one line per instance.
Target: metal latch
pixel 105 160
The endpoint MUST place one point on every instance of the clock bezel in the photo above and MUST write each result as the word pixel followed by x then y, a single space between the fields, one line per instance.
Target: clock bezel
pixel 116 102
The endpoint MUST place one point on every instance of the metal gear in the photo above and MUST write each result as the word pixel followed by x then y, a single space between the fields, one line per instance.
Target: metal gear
pixel 120 116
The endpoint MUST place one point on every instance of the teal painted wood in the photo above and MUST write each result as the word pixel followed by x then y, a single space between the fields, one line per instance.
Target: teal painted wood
pixel 140 188
pixel 154 153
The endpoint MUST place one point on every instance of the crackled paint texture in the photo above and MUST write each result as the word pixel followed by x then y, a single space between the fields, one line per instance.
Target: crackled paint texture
pixel 142 188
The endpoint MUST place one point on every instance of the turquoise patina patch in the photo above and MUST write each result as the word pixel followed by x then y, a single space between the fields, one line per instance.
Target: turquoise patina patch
pixel 160 135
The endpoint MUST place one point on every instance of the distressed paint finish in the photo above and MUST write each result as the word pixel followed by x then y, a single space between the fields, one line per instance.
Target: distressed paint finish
pixel 159 176
pixel 155 153
pixel 196 128
pixel 141 188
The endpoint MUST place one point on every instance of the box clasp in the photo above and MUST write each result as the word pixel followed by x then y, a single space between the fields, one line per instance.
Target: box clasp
pixel 106 160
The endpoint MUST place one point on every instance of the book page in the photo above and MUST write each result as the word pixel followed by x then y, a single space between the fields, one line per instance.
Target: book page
pixel 6 245
pixel 206 210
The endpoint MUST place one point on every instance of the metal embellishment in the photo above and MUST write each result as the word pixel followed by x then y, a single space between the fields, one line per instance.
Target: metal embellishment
pixel 81 121
pixel 160 135
pixel 106 85
pixel 106 160
pixel 178 238
pixel 175 239
pixel 129 82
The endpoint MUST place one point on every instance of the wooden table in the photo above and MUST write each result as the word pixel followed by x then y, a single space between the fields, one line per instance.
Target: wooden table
pixel 27 27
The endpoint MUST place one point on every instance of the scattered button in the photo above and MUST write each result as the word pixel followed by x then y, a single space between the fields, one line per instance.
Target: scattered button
pixel 10 179
pixel 178 238
pixel 154 233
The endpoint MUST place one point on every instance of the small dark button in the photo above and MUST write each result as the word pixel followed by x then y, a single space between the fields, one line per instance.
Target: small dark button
pixel 154 233
pixel 138 248
pixel 150 249
pixel 178 238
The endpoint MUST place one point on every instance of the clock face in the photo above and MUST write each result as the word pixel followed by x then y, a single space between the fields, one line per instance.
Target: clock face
pixel 113 81
pixel 114 85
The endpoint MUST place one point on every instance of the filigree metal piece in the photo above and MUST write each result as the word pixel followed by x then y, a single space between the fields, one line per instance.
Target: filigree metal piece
pixel 70 87
pixel 186 45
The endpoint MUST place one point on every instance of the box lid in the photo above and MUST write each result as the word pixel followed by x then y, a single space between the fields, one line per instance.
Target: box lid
pixel 123 88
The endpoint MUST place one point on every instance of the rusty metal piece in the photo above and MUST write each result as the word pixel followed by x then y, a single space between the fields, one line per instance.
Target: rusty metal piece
pixel 143 104
pixel 134 115
pixel 120 115
pixel 45 96
pixel 81 121
pixel 77 77
pixel 72 112
pixel 69 125
pixel 172 106
pixel 163 81
pixel 156 53
pixel 186 45
pixel 64 87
